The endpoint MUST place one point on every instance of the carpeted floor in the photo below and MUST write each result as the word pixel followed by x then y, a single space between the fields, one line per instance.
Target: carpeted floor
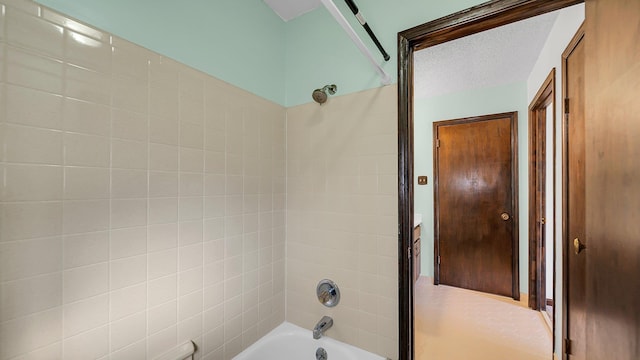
pixel 459 324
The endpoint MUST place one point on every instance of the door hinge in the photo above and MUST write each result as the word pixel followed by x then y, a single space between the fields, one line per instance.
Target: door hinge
pixel 409 252
pixel 567 346
pixel 437 143
pixel 566 105
pixel 543 221
pixel 438 259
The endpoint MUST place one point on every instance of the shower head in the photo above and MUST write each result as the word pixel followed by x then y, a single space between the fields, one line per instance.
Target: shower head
pixel 320 95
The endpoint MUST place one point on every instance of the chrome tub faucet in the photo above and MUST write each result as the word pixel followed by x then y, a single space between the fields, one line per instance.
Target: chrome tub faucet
pixel 323 325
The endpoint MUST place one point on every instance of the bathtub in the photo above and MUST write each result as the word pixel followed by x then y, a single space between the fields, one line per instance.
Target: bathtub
pixel 288 341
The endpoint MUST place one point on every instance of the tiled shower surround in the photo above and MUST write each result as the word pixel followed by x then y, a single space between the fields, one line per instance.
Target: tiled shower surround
pixel 342 216
pixel 144 203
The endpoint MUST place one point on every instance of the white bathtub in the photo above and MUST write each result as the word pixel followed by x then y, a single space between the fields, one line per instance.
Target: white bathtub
pixel 288 341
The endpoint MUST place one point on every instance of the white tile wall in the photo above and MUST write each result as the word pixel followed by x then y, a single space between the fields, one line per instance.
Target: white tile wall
pixel 342 217
pixel 142 201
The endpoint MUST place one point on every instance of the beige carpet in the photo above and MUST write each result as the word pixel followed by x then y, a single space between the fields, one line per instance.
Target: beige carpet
pixel 459 324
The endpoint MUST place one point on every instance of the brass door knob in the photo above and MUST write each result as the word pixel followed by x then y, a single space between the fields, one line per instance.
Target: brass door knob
pixel 578 246
pixel 505 216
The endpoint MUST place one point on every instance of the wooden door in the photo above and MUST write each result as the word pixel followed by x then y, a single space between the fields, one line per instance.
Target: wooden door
pixel 612 133
pixel 538 161
pixel 575 264
pixel 475 187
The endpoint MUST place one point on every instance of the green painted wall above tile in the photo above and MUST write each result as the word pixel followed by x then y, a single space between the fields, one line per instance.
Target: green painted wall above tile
pixel 319 52
pixel 248 45
pixel 240 42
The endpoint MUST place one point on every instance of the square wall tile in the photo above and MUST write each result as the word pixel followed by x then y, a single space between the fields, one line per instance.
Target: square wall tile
pixel 129 125
pixel 92 344
pixel 32 183
pixel 29 296
pixel 26 258
pixel 32 107
pixel 128 184
pixel 86 314
pixel 130 93
pixel 163 100
pixel 85 216
pixel 127 271
pixel 128 213
pixel 162 341
pixel 127 301
pixel 163 184
pixel 86 117
pixel 163 210
pixel 88 85
pixel 83 183
pixel 162 263
pixel 190 257
pixel 128 242
pixel 24 144
pixel 30 220
pixel 162 290
pixel 162 317
pixel 87 52
pixel 31 332
pixel 163 157
pixel 129 59
pixel 86 150
pixel 85 249
pixel 191 160
pixel 128 154
pixel 128 330
pixel 162 237
pixel 84 282
pixel 27 69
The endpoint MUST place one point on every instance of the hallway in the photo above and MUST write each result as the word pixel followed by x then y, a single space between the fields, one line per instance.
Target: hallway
pixel 458 324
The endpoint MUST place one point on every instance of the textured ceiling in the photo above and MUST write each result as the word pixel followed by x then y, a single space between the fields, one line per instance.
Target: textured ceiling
pixel 494 57
pixel 289 9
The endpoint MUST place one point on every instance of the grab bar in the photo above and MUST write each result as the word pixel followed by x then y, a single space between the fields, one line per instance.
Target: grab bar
pixel 182 352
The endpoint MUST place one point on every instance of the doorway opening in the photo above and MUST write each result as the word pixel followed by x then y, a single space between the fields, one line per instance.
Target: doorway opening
pixel 542 125
pixel 477 19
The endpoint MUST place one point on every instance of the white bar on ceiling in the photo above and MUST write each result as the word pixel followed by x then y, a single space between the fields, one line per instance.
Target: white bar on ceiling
pixel 333 9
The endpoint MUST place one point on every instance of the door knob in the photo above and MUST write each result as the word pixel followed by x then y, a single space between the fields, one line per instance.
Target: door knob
pixel 505 216
pixel 578 246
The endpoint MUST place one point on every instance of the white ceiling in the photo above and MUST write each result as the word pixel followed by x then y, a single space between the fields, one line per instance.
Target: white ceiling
pixel 289 9
pixel 494 57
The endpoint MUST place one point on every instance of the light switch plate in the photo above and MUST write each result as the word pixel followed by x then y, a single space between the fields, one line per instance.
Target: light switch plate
pixel 422 180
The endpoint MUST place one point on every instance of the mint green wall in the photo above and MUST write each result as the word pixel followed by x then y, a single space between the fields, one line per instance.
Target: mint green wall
pixel 240 42
pixel 505 98
pixel 319 51
pixel 248 45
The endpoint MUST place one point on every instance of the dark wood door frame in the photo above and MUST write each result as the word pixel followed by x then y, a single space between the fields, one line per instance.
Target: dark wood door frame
pixel 567 244
pixel 537 190
pixel 466 22
pixel 513 116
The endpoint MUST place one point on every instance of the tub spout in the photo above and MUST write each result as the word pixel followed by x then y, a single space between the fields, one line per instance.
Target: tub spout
pixel 323 325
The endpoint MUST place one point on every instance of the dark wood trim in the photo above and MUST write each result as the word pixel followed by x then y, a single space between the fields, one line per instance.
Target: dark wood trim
pixel 405 198
pixel 515 284
pixel 566 245
pixel 537 192
pixel 479 18
pixel 476 19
